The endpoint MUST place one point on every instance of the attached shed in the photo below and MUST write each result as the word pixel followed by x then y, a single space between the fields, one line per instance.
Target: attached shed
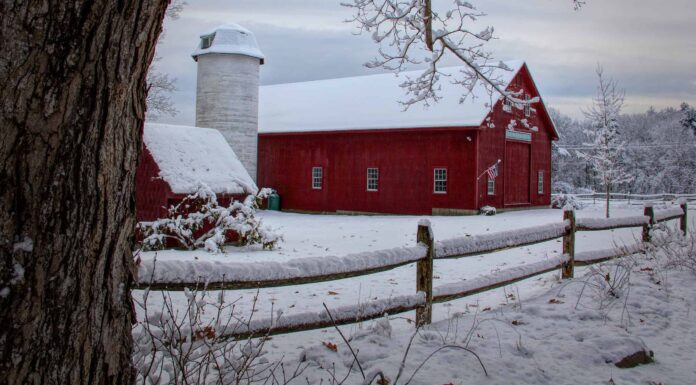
pixel 347 145
pixel 176 159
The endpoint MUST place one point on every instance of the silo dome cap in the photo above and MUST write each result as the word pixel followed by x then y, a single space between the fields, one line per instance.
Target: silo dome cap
pixel 229 38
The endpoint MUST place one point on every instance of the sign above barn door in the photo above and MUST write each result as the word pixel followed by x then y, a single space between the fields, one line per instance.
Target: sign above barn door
pixel 517 135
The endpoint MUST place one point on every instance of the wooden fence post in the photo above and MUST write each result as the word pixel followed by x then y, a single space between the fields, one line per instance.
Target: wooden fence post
pixel 684 220
pixel 650 213
pixel 424 273
pixel 568 269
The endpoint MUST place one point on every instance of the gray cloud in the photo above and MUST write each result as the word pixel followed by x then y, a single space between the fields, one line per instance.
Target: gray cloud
pixel 650 51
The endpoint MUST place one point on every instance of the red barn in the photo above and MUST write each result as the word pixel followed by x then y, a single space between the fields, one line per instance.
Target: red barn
pixel 346 145
pixel 176 159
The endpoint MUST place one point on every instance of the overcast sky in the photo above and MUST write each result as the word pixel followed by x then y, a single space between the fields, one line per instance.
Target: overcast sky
pixel 649 47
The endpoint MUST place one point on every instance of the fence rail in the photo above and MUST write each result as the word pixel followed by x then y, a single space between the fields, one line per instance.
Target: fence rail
pixel 637 197
pixel 309 270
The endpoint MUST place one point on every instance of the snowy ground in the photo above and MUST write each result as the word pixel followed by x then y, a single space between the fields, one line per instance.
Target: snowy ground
pixel 321 235
pixel 548 338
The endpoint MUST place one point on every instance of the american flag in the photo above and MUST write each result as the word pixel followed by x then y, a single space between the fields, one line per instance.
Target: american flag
pixel 493 171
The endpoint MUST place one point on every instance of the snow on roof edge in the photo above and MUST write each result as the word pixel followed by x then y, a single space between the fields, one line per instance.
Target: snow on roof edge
pixel 291 115
pixel 187 156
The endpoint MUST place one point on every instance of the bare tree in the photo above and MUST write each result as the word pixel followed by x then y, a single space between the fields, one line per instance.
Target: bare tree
pixel 161 85
pixel 72 93
pixel 411 32
pixel 159 89
pixel 607 149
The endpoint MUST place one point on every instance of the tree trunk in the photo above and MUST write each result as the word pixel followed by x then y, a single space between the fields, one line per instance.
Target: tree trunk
pixel 72 94
pixel 608 198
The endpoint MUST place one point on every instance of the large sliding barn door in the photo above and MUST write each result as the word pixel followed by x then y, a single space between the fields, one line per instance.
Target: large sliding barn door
pixel 517 173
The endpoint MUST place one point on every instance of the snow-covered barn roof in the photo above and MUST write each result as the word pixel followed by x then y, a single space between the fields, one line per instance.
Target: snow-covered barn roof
pixel 229 38
pixel 372 102
pixel 187 156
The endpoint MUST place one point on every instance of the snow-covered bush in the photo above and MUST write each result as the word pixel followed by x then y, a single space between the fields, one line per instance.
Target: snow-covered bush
pixel 560 201
pixel 561 187
pixel 198 221
pixel 487 210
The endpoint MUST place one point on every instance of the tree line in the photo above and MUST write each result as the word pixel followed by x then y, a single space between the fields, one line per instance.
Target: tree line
pixel 658 148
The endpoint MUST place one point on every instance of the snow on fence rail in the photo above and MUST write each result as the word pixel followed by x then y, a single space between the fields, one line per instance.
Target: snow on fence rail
pixel 488 243
pixel 596 224
pixel 637 197
pixel 596 256
pixel 306 270
pixel 319 320
pixel 174 275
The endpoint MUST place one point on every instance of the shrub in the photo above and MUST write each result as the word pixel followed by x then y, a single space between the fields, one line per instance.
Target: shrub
pixel 561 187
pixel 560 201
pixel 198 221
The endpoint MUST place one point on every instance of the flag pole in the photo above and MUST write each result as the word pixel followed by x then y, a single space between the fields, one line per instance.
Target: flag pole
pixel 486 170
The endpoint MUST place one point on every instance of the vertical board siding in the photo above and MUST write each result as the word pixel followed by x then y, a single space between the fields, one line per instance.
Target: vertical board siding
pixel 405 158
pixel 151 191
pixel 517 173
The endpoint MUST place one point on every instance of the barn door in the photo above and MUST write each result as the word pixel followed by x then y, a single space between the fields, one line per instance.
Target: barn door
pixel 517 173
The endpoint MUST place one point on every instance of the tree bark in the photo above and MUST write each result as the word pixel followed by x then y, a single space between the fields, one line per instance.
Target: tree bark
pixel 72 95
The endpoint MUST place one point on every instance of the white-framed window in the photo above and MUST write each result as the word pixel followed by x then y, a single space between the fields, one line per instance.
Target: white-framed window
pixel 207 41
pixel 527 106
pixel 317 177
pixel 372 179
pixel 507 105
pixel 440 181
pixel 491 186
pixel 540 182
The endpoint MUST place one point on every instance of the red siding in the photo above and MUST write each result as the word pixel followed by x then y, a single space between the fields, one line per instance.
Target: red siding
pixel 513 175
pixel 151 192
pixel 517 173
pixel 406 159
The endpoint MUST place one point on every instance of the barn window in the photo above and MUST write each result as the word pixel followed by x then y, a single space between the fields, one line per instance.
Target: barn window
pixel 372 179
pixel 491 186
pixel 317 177
pixel 527 106
pixel 440 183
pixel 507 105
pixel 540 182
pixel 207 41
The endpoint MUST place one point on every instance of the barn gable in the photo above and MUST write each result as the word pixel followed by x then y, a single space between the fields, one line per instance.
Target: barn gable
pixel 187 156
pixel 372 103
pixel 524 81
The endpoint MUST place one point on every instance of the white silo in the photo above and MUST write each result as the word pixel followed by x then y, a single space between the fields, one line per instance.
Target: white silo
pixel 227 91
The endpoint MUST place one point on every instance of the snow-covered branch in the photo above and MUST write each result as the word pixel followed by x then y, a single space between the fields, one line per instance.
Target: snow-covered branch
pixel 411 32
pixel 198 221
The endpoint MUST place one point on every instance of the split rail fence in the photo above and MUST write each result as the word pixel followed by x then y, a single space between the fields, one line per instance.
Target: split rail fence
pixel 223 276
pixel 637 198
